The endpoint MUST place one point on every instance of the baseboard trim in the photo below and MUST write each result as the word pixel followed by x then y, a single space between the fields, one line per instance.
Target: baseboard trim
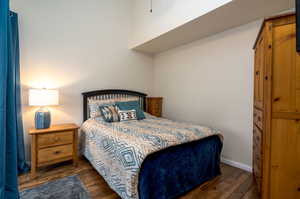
pixel 237 164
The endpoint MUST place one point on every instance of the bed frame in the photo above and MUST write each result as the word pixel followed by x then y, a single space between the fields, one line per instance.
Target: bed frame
pixel 110 94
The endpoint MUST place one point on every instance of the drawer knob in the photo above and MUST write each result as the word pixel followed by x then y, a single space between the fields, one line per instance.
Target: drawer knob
pixel 276 99
pixel 56 139
pixel 57 152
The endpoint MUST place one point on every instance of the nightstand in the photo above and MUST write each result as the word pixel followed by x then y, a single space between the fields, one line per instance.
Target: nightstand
pixel 53 145
pixel 154 106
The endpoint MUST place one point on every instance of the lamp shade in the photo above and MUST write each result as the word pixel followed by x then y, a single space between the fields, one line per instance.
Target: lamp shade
pixel 43 97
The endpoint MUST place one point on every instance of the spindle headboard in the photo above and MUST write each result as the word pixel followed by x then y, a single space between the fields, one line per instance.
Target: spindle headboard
pixel 110 94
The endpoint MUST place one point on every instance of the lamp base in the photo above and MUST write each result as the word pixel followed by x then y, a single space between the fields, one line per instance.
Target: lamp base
pixel 42 118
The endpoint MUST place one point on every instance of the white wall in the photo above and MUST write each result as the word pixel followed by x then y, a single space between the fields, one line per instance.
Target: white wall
pixel 166 15
pixel 210 82
pixel 82 46
pixel 77 46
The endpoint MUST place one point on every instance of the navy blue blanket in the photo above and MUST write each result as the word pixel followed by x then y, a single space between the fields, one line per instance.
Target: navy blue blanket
pixel 174 171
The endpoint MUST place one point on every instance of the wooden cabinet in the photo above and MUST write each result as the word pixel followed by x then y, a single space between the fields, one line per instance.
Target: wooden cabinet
pixel 154 106
pixel 276 128
pixel 53 145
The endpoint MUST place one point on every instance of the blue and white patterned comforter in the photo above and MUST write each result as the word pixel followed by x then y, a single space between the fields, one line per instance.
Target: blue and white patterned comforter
pixel 117 150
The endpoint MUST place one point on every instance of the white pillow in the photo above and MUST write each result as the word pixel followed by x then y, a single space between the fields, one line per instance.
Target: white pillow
pixel 95 104
pixel 127 115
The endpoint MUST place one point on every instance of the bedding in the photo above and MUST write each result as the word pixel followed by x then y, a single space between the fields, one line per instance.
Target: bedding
pixel 119 151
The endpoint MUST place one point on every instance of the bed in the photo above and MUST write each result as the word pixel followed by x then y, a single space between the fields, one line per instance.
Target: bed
pixel 153 158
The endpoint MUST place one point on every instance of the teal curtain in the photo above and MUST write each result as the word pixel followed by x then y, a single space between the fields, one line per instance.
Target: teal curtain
pixel 14 63
pixel 12 159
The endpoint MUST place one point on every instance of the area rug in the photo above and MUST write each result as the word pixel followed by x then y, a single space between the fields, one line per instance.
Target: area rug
pixel 66 188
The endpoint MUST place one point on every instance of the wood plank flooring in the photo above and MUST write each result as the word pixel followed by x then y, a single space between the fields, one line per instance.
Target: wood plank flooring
pixel 232 184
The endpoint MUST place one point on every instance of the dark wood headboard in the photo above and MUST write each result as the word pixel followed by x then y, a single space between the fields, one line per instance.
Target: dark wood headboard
pixel 110 94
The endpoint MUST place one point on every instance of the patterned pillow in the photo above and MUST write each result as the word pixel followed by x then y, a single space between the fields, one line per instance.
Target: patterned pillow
pixel 95 104
pixel 109 113
pixel 127 115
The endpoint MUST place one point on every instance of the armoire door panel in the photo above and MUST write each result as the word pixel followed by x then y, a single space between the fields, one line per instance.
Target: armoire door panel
pixel 286 70
pixel 285 159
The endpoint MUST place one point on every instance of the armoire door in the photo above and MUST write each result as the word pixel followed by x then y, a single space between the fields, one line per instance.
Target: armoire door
pixel 286 70
pixel 259 73
pixel 285 159
pixel 285 141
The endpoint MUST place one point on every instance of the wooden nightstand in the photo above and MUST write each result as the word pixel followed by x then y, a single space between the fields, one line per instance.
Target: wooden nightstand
pixel 53 145
pixel 154 106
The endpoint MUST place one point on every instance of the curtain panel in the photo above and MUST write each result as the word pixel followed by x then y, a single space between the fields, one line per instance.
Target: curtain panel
pixel 14 64
pixel 12 160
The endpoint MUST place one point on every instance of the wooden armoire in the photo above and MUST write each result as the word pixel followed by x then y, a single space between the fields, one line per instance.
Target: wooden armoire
pixel 276 132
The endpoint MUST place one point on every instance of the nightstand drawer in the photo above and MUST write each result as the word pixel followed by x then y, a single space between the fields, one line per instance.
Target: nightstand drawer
pixel 55 139
pixel 53 154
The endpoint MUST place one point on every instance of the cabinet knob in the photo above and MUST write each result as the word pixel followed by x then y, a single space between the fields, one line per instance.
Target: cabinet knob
pixel 57 152
pixel 276 99
pixel 298 189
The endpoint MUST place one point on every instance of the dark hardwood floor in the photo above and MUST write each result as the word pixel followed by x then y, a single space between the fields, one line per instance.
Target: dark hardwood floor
pixel 232 184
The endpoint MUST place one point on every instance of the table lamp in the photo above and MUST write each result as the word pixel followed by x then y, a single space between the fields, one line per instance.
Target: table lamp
pixel 43 98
